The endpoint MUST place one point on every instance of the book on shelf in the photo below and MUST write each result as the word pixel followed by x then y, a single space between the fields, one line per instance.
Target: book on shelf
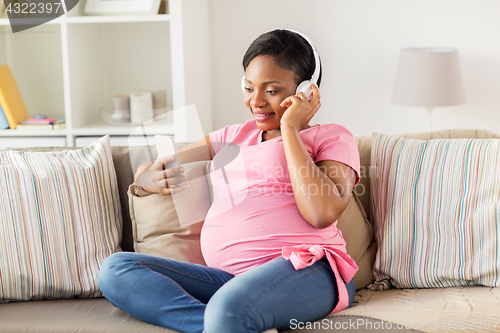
pixel 11 100
pixel 58 123
pixel 30 127
pixel 43 121
pixel 4 124
pixel 35 121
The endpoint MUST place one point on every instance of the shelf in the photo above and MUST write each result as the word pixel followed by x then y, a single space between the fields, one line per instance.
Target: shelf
pixel 6 21
pixel 32 141
pixel 15 132
pixel 96 129
pixel 99 19
pixel 116 19
pixel 104 129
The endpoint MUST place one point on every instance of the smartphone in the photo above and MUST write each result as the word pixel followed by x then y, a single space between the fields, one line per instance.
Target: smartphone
pixel 165 145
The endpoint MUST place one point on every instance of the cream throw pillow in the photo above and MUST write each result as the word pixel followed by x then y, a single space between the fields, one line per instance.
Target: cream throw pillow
pixel 436 210
pixel 59 219
pixel 156 227
pixel 358 234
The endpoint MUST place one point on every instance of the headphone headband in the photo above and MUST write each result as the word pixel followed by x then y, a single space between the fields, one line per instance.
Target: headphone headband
pixel 315 76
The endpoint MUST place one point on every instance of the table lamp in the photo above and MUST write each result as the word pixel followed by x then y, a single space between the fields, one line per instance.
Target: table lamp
pixel 429 77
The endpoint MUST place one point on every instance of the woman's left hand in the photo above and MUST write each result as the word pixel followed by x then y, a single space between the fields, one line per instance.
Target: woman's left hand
pixel 300 110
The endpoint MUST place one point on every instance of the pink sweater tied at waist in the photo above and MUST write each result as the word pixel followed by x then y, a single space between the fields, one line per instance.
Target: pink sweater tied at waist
pixel 343 266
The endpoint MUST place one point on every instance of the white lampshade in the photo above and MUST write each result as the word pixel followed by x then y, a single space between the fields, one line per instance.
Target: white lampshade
pixel 429 77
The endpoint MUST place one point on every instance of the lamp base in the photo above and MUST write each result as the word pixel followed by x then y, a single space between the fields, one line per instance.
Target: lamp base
pixel 429 111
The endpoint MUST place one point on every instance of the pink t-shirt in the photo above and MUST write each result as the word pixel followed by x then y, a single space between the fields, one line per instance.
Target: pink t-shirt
pixel 254 217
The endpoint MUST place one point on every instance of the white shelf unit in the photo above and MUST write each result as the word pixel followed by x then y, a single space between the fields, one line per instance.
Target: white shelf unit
pixel 72 66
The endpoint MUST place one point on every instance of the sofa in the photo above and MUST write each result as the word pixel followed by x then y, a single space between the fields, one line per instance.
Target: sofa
pixel 403 309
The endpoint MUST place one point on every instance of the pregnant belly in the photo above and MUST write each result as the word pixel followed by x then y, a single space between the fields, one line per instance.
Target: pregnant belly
pixel 254 232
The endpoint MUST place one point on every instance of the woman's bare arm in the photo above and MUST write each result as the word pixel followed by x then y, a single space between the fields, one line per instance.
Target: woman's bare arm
pixel 322 191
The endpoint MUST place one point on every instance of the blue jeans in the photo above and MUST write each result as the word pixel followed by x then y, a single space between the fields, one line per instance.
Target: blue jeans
pixel 191 298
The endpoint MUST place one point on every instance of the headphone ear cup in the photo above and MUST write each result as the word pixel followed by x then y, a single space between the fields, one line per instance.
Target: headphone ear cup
pixel 305 87
pixel 243 84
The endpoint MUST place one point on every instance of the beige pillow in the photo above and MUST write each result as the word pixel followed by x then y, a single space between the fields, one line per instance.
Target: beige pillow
pixel 358 234
pixel 156 226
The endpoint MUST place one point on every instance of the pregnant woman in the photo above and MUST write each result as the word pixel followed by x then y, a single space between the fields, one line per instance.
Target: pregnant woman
pixel 274 254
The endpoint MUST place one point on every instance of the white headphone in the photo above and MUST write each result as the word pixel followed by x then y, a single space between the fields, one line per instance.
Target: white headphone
pixel 304 86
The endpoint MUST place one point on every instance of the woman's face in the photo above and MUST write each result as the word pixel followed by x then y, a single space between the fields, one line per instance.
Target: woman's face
pixel 266 86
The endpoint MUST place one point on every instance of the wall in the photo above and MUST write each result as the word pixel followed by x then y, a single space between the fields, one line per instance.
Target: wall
pixel 359 42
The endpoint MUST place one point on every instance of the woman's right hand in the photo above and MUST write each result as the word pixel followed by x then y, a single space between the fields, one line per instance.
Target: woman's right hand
pixel 154 178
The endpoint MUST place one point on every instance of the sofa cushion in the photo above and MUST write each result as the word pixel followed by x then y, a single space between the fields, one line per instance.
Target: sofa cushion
pixel 95 315
pixel 169 226
pixel 125 177
pixel 364 143
pixel 436 207
pixel 358 234
pixel 127 160
pixel 59 220
pixel 453 309
pixel 99 316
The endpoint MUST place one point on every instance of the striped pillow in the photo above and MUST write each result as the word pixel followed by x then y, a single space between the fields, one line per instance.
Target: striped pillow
pixel 59 219
pixel 436 209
